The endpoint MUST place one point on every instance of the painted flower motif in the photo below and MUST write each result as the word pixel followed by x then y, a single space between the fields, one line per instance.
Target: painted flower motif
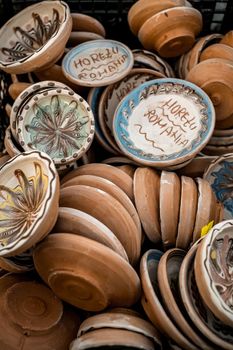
pixel 58 128
pixel 29 41
pixel 221 265
pixel 223 185
pixel 19 206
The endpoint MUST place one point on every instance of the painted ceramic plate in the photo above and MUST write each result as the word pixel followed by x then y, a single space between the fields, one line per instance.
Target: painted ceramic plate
pixel 97 63
pixel 219 175
pixel 57 122
pixel 213 271
pixel 164 122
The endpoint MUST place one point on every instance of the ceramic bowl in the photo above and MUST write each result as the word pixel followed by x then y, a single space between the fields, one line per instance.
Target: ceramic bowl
pixel 97 63
pixel 215 77
pixel 35 37
pixel 216 150
pixel 168 279
pixel 128 169
pixel 15 89
pixel 146 193
pixel 217 51
pixel 221 140
pixel 218 174
pixel 57 122
pixel 33 316
pixel 159 124
pixel 213 271
pixel 228 39
pixel 82 224
pixel 19 263
pixel 212 329
pixel 82 22
pixel 197 166
pixel 77 38
pixel 111 213
pixel 11 146
pixel 119 161
pixel 171 32
pixel 151 300
pixel 29 201
pixel 85 273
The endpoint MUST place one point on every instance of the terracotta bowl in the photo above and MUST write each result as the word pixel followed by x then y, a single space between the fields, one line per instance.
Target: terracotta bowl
pixel 228 39
pixel 85 273
pixel 85 23
pixel 19 263
pixel 15 89
pixel 29 201
pixel 31 314
pixel 217 51
pixel 27 45
pixel 12 147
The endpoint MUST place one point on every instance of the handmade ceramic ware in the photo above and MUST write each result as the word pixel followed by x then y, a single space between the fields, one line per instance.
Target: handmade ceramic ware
pixel 89 275
pixel 151 303
pixel 197 166
pixel 119 160
pixel 29 201
pixel 217 51
pixel 169 204
pixel 32 317
pixel 77 38
pixel 187 213
pixel 121 320
pixel 164 122
pixel 57 122
pixel 111 173
pixel 97 63
pixel 168 279
pixel 205 207
pixel 219 174
pixel 221 141
pixel 228 39
pixel 215 77
pixel 213 271
pixel 171 32
pixel 35 37
pixel 12 147
pixel 128 169
pixel 109 187
pixel 111 213
pixel 213 329
pixel 218 150
pixel 82 224
pixel 15 89
pixel 19 263
pixel 112 338
pixel 82 22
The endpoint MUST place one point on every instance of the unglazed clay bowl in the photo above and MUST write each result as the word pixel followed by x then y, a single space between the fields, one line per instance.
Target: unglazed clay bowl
pixel 228 39
pixel 143 123
pixel 85 273
pixel 213 271
pixel 217 51
pixel 31 315
pixel 57 122
pixel 84 23
pixel 18 263
pixel 35 37
pixel 171 32
pixel 29 201
pixel 12 147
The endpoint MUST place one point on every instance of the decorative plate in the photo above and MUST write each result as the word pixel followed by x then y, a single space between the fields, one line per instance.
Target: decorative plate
pixel 97 63
pixel 35 37
pixel 28 201
pixel 219 175
pixel 213 271
pixel 57 122
pixel 164 122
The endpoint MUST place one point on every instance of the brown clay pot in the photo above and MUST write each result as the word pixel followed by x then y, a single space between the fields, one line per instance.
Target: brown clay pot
pixel 217 51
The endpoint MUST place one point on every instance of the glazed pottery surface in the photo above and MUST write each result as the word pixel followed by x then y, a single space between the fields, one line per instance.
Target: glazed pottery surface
pixel 97 63
pixel 76 277
pixel 164 122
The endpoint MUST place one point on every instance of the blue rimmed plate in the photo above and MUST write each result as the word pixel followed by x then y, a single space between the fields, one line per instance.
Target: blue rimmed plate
pixel 164 122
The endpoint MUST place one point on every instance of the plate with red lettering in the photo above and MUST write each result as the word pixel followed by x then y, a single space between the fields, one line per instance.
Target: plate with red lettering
pixel 97 63
pixel 164 122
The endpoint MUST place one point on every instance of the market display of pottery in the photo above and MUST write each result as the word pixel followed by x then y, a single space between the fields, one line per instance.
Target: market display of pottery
pixel 116 214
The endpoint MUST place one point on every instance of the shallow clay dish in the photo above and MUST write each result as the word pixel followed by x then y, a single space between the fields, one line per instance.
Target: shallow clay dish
pixel 197 166
pixel 15 89
pixel 19 263
pixel 205 207
pixel 128 169
pixel 77 38
pixel 213 272
pixel 12 147
pixel 85 273
pixel 169 205
pixel 228 39
pixel 119 161
pixel 82 224
pixel 151 303
pixel 219 175
pixel 35 37
pixel 144 121
pixel 112 339
pixel 111 213
pixel 29 201
pixel 213 329
pixel 111 173
pixel 82 22
pixel 171 32
pixel 97 63
pixel 146 193
pixel 217 51
pixel 57 122
pixel 168 279
pixel 187 214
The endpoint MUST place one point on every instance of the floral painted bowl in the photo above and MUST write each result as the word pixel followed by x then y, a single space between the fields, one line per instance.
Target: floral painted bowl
pixel 164 122
pixel 57 122
pixel 29 195
pixel 35 38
